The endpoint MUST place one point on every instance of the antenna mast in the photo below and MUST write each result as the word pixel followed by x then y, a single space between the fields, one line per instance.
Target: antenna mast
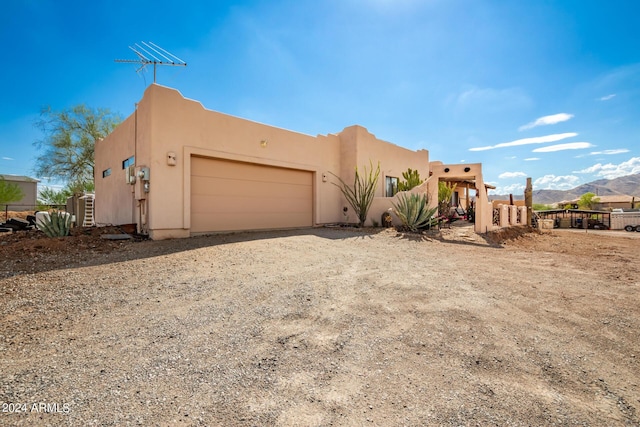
pixel 150 53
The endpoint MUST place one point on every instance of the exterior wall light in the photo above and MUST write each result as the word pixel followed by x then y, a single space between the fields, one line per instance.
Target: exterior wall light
pixel 171 158
pixel 446 170
pixel 467 169
pixel 263 143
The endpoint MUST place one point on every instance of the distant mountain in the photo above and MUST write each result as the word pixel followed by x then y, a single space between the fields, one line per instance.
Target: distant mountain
pixel 626 185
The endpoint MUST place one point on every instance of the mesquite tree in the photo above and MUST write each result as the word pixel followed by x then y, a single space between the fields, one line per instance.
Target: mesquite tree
pixel 68 145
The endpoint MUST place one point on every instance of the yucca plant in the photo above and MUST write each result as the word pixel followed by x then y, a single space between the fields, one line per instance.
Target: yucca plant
pixel 360 196
pixel 57 224
pixel 414 211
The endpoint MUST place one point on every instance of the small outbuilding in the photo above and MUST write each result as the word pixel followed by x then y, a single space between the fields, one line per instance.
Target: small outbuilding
pixel 29 187
pixel 610 202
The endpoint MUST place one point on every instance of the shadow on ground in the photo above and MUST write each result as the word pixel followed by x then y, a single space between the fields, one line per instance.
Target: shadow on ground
pixel 32 252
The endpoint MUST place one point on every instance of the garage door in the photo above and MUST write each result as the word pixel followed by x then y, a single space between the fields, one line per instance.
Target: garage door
pixel 228 196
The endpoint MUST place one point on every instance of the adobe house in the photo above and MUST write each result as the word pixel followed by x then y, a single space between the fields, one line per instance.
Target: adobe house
pixel 29 187
pixel 607 203
pixel 619 201
pixel 177 169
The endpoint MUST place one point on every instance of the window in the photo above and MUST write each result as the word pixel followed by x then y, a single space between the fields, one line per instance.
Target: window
pixel 106 173
pixel 128 162
pixel 391 186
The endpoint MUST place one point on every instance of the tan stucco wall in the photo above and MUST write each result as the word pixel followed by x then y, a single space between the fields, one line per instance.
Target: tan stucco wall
pixel 616 205
pixel 361 148
pixel 165 122
pixel 495 203
pixel 184 127
pixel 115 204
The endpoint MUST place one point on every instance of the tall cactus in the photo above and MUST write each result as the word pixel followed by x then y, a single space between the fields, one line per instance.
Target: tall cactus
pixel 361 194
pixel 412 179
pixel 57 224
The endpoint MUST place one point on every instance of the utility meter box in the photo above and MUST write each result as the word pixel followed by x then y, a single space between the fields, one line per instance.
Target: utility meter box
pixel 141 186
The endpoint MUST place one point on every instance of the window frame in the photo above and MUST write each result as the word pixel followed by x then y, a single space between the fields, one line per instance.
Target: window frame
pixel 391 183
pixel 128 162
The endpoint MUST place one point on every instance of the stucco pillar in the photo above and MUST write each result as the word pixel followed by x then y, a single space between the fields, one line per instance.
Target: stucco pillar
pixel 483 213
pixel 504 215
pixel 528 203
pixel 524 219
pixel 513 218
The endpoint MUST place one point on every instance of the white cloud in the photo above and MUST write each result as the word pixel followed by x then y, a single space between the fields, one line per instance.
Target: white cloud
pixel 611 171
pixel 608 97
pixel 553 182
pixel 591 169
pixel 525 141
pixel 560 147
pixel 530 159
pixel 489 98
pixel 506 175
pixel 547 120
pixel 7 158
pixel 508 189
pixel 616 151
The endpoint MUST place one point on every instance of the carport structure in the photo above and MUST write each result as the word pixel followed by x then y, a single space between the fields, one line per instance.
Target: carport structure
pixel 577 218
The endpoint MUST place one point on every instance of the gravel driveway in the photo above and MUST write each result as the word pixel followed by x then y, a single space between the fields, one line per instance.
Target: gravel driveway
pixel 327 327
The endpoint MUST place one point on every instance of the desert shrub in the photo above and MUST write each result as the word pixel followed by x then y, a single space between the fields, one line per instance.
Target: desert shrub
pixel 588 201
pixel 414 211
pixel 541 207
pixel 445 191
pixel 9 192
pixel 57 224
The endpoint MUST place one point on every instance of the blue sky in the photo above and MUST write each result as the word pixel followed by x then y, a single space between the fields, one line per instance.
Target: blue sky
pixel 530 88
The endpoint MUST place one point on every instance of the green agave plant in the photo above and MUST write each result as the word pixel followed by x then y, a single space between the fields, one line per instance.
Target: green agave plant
pixel 58 224
pixel 414 211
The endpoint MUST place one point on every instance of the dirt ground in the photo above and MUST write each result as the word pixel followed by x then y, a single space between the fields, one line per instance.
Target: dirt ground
pixel 321 327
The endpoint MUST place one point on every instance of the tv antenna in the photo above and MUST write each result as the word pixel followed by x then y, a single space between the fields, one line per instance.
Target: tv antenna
pixel 150 53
